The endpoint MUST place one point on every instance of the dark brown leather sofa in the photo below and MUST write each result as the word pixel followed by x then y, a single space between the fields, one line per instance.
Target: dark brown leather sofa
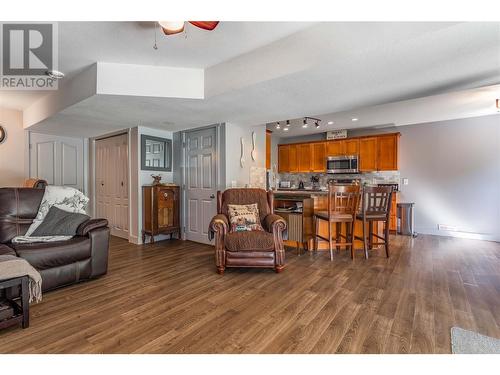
pixel 83 257
pixel 248 249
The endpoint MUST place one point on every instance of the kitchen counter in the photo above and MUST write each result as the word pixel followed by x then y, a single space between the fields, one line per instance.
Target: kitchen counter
pixel 299 192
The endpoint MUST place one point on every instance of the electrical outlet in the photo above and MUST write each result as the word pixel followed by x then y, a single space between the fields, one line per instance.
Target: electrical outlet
pixel 405 181
pixel 450 228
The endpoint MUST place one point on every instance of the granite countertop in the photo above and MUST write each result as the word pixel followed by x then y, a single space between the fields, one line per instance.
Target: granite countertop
pixel 299 192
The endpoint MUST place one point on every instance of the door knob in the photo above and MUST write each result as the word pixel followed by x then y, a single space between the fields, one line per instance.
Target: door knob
pixel 212 196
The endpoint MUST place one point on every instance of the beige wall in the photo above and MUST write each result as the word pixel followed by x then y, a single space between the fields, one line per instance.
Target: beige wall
pixel 12 150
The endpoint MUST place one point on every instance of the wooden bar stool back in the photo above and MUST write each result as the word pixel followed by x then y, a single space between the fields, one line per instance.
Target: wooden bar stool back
pixel 343 201
pixel 375 207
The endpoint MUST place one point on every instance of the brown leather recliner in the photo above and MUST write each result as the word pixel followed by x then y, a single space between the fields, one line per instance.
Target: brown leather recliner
pixel 248 249
pixel 83 257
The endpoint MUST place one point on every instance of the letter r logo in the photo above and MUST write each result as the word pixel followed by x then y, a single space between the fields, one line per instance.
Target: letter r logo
pixel 27 49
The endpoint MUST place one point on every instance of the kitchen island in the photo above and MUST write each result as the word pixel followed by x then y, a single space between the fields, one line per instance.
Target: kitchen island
pixel 310 201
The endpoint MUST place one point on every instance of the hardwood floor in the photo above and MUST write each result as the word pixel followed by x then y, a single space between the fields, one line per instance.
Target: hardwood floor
pixel 167 298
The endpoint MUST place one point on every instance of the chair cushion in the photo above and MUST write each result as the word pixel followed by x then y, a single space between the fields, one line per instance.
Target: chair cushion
pixel 335 217
pixel 249 241
pixel 54 254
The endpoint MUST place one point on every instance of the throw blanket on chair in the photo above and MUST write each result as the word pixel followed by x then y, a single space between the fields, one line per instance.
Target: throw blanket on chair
pixel 66 198
pixel 11 267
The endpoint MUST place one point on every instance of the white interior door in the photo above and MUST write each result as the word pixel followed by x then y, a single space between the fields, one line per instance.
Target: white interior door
pixel 111 180
pixel 201 183
pixel 58 160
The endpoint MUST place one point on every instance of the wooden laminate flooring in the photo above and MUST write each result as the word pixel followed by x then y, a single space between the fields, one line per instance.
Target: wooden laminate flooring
pixel 167 298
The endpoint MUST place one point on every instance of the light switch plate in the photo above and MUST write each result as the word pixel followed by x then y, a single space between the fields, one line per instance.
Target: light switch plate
pixel 405 181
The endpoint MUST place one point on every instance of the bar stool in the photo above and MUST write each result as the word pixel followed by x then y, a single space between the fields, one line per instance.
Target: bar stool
pixel 343 201
pixel 375 207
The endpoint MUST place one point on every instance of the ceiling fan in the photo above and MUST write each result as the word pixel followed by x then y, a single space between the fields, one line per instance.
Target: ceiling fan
pixel 175 27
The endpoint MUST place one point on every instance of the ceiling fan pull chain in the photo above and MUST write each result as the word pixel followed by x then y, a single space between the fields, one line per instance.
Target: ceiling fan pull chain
pixel 155 47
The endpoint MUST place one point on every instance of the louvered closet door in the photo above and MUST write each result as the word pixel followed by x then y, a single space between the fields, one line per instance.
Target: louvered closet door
pixel 112 198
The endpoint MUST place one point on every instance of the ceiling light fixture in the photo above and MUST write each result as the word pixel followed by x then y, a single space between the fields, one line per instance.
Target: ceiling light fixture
pixel 287 125
pixel 304 123
pixel 172 27
pixel 316 123
pixel 55 74
pixel 278 125
pixel 354 119
pixel 330 122
pixel 176 27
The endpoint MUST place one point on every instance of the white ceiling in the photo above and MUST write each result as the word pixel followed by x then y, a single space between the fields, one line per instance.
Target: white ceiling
pixel 299 70
pixel 459 104
pixel 81 44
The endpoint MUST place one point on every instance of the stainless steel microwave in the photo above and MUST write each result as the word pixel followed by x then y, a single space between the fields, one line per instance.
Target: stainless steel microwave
pixel 342 164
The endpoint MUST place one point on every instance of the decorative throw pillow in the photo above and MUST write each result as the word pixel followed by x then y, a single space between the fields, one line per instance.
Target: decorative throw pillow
pixel 244 217
pixel 58 222
pixel 66 198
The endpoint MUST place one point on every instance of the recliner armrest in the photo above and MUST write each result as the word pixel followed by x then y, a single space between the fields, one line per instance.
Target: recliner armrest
pixel 274 222
pixel 90 225
pixel 218 224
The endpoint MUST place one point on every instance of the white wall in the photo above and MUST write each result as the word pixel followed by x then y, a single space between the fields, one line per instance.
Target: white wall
pixel 233 170
pixel 12 150
pixel 453 170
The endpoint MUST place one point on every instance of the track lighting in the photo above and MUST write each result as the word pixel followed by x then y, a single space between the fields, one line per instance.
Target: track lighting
pixel 278 125
pixel 316 124
pixel 304 123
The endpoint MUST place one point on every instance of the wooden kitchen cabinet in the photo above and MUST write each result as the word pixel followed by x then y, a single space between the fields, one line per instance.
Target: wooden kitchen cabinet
pixel 304 157
pixel 376 153
pixel 387 152
pixel 351 146
pixel 318 162
pixel 368 154
pixel 293 165
pixel 393 220
pixel 335 148
pixel 342 147
pixel 283 158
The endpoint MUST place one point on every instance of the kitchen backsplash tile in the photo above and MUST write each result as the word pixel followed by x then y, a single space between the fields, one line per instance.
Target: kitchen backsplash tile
pixel 388 177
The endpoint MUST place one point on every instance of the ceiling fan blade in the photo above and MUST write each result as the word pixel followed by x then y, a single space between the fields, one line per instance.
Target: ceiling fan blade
pixel 205 25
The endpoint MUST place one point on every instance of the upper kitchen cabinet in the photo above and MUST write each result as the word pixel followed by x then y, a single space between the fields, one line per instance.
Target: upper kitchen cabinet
pixel 387 158
pixel 283 158
pixel 304 157
pixel 268 149
pixel 318 161
pixel 343 147
pixel 376 153
pixel 351 146
pixel 335 148
pixel 293 165
pixel 368 154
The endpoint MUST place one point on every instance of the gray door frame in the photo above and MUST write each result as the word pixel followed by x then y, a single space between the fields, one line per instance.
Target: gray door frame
pixel 219 168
